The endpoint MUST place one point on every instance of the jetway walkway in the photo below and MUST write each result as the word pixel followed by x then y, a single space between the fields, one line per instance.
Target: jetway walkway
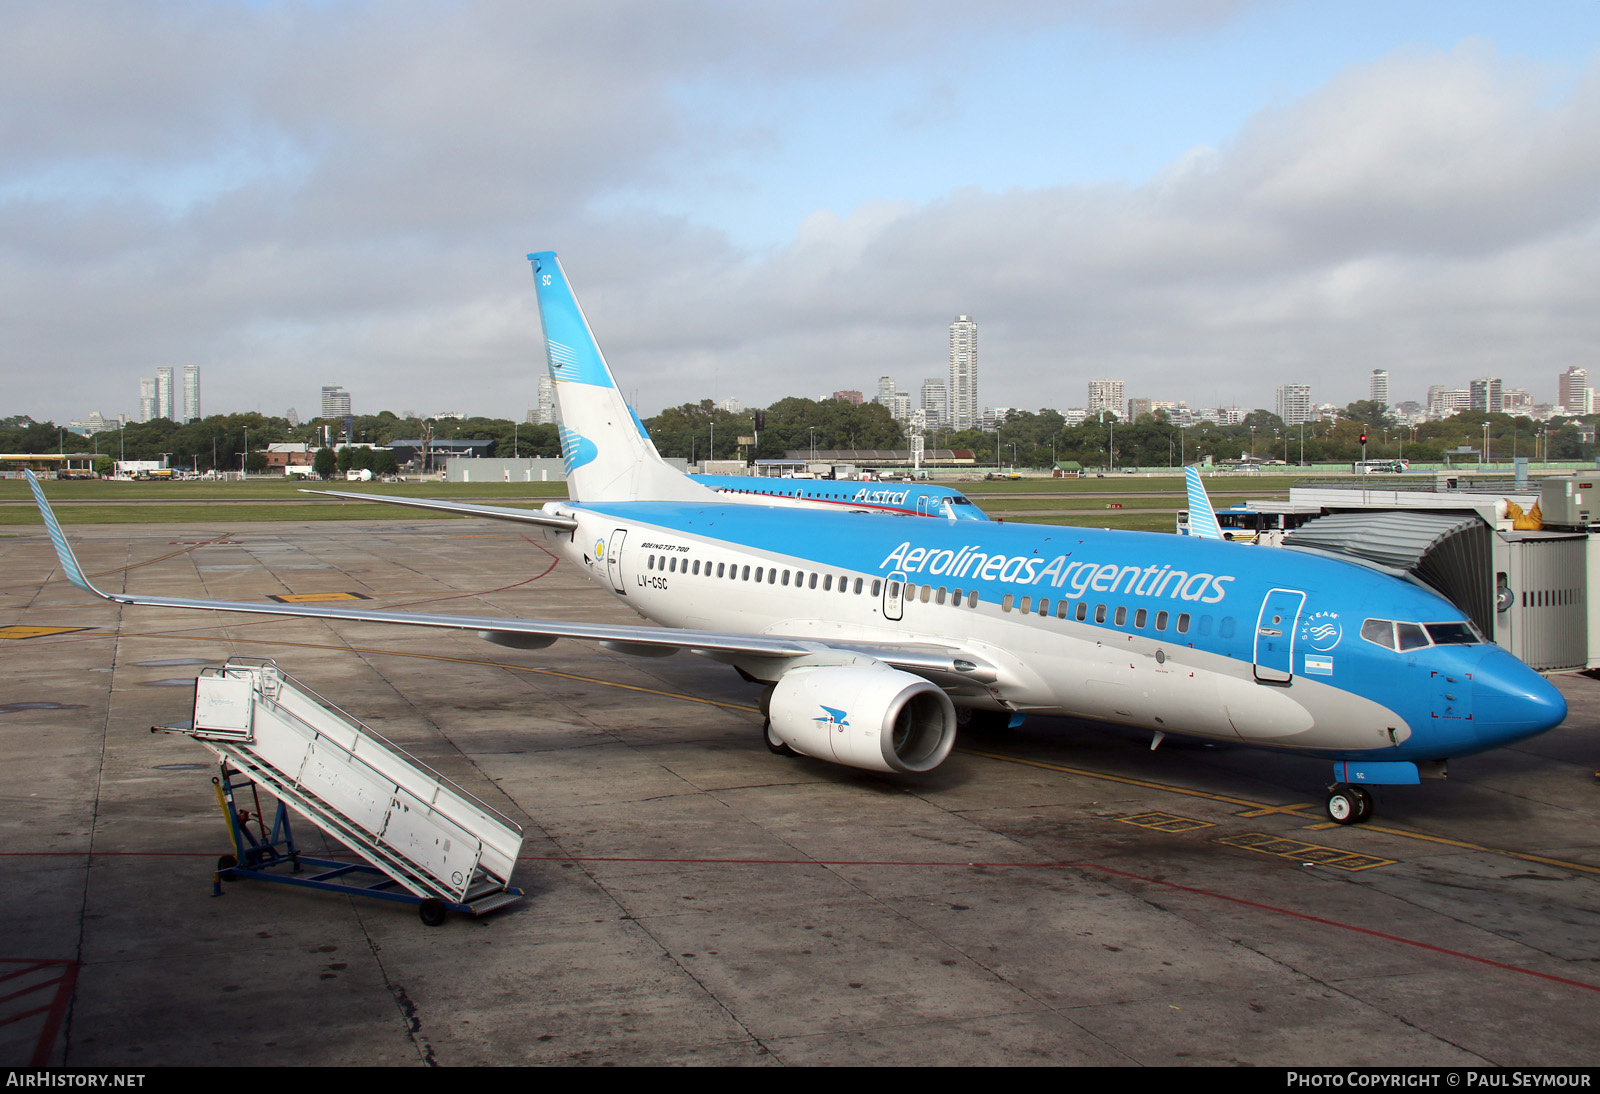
pixel 433 844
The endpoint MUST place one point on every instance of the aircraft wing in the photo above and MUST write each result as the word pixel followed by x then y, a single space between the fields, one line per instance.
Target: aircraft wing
pixel 493 512
pixel 537 633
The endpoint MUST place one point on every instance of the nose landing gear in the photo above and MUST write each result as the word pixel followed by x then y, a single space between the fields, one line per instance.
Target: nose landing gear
pixel 1348 804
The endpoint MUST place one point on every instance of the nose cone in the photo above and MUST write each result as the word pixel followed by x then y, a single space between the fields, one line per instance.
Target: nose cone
pixel 1511 702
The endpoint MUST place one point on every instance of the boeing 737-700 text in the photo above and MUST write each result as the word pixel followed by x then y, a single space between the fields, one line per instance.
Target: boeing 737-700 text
pixel 871 632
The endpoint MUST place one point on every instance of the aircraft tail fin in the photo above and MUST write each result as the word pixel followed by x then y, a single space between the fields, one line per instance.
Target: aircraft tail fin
pixel 1202 517
pixel 608 454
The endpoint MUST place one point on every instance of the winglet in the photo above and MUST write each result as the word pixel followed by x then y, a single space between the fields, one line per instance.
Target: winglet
pixel 64 555
pixel 1202 517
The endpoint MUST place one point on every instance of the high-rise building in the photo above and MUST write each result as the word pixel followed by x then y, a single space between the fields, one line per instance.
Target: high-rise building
pixel 164 395
pixel 335 401
pixel 935 402
pixel 1486 395
pixel 885 395
pixel 147 398
pixel 191 393
pixel 854 398
pixel 1105 395
pixel 1294 403
pixel 1378 390
pixel 962 395
pixel 1445 401
pixel 546 413
pixel 1572 391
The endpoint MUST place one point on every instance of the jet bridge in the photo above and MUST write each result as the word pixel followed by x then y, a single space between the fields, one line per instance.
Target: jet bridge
pixel 1525 590
pixel 431 843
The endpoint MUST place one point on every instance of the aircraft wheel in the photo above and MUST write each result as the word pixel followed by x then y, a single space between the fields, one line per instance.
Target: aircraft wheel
pixel 1344 805
pixel 1365 801
pixel 226 862
pixel 775 743
pixel 432 911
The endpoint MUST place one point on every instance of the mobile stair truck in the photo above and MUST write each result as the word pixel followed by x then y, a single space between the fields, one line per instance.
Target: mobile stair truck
pixel 423 840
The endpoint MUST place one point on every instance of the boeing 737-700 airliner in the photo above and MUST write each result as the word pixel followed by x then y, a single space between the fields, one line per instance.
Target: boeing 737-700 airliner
pixel 870 631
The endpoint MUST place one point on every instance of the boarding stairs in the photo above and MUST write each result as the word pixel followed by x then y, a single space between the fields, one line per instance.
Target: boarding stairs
pixel 434 844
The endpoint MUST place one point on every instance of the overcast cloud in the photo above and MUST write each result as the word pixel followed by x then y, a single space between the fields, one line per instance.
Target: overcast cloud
pixel 758 201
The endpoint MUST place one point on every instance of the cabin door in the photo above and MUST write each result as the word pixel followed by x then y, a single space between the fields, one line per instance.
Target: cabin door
pixel 1280 613
pixel 614 560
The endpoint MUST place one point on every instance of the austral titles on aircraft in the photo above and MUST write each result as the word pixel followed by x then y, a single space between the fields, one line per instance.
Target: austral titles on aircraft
pixel 871 633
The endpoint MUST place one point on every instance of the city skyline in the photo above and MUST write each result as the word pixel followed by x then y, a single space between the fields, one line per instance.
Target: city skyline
pixel 1216 196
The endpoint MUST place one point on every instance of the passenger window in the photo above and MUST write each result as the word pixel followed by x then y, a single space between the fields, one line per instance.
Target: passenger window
pixel 1061 609
pixel 1005 603
pixel 720 569
pixel 1161 621
pixel 1044 606
pixel 758 573
pixel 1027 605
pixel 673 565
pixel 697 567
pixel 911 591
pixel 1099 613
pixel 650 562
pixel 1083 611
pixel 877 586
pixel 746 576
pixel 1139 618
pixel 972 599
pixel 925 590
pixel 1183 623
pixel 827 583
pixel 1122 615
pixel 938 597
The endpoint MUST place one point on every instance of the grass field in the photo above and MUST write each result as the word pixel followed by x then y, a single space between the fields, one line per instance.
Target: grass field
pixel 1081 502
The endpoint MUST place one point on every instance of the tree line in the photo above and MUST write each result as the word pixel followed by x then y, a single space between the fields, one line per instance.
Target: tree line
pixel 700 431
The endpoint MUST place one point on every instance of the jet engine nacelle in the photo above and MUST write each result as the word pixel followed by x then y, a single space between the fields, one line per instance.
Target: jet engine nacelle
pixel 863 714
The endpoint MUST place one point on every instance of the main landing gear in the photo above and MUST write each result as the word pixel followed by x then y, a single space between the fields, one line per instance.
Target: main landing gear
pixel 1349 804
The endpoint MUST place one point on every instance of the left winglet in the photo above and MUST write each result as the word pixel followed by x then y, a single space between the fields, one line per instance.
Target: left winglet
pixel 64 555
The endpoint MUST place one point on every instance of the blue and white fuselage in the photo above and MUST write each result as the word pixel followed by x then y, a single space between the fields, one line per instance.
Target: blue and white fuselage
pixel 1171 635
pixel 912 499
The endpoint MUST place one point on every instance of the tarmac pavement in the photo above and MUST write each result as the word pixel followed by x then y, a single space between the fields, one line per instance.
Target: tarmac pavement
pixel 1057 895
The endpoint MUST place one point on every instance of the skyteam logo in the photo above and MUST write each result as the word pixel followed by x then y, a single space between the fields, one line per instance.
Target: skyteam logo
pixel 1321 631
pixel 832 717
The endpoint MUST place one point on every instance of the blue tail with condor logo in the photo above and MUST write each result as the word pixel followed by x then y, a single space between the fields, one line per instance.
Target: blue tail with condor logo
pixel 1202 517
pixel 608 454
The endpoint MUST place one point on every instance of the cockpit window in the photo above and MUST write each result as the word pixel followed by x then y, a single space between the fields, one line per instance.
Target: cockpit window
pixel 1453 634
pixel 1412 636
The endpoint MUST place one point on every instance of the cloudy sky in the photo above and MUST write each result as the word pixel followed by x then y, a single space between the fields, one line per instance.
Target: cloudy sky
pixel 1203 198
